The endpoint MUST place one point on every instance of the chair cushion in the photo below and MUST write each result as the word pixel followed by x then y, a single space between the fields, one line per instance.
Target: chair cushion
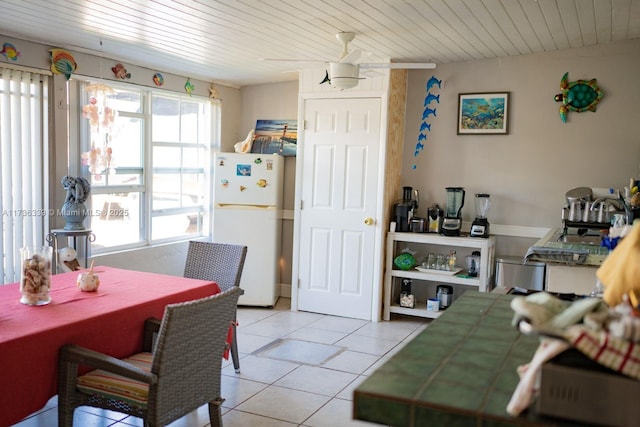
pixel 117 387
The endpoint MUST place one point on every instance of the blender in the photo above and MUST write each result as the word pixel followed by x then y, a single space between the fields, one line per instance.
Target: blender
pixel 480 225
pixel 452 221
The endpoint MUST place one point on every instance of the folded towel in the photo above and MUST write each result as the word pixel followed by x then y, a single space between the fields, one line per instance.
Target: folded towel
pixel 559 255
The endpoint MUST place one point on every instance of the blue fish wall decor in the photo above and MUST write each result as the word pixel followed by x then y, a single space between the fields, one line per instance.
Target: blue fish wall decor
pixel 425 126
pixel 430 98
pixel 432 82
pixel 428 112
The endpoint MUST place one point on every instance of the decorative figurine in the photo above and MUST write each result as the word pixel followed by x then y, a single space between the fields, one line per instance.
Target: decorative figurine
pixel 578 96
pixel 74 210
pixel 89 281
pixel 68 260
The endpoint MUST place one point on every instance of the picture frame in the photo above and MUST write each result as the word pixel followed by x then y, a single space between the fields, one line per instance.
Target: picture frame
pixel 276 137
pixel 484 113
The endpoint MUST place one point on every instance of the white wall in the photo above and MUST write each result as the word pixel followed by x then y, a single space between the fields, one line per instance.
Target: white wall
pixel 528 172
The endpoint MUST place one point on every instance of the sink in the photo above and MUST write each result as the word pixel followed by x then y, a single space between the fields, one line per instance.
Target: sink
pixel 587 239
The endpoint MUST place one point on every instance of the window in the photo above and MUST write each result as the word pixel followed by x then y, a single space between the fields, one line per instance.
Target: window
pixel 179 163
pixel 24 153
pixel 147 153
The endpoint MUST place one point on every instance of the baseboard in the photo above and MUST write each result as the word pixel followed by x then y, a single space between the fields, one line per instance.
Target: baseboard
pixel 285 290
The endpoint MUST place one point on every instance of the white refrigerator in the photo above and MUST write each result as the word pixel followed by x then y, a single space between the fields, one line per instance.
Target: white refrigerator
pixel 247 210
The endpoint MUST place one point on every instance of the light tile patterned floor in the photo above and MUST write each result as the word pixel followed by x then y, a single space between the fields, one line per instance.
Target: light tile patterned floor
pixel 281 390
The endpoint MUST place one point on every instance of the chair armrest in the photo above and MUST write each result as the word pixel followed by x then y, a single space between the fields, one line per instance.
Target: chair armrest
pixel 76 354
pixel 151 328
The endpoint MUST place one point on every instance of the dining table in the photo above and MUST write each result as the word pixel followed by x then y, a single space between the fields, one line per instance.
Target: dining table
pixel 109 320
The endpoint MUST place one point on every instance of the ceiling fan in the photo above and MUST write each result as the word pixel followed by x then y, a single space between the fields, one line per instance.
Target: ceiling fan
pixel 345 72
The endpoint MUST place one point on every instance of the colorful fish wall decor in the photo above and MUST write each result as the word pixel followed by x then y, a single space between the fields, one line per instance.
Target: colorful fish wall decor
pixel 62 62
pixel 10 52
pixel 578 96
pixel 120 72
pixel 429 111
pixel 158 79
pixel 189 87
pixel 213 92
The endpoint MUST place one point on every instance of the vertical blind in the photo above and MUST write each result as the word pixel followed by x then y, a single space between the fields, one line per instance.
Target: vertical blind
pixel 24 159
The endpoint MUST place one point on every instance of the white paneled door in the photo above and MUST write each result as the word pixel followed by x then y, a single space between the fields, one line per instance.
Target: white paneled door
pixel 339 199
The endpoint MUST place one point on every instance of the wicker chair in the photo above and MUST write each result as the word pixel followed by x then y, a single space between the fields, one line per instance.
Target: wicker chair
pixel 183 373
pixel 221 263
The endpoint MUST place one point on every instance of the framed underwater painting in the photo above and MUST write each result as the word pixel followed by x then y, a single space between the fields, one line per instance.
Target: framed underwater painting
pixel 483 113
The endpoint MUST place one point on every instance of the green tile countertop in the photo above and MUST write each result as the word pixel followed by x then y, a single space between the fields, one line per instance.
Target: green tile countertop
pixel 460 371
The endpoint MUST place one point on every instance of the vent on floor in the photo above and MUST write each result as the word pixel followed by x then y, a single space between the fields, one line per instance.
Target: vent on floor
pixel 298 351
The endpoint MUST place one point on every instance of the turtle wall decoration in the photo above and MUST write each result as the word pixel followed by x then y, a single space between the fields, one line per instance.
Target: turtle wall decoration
pixel 578 96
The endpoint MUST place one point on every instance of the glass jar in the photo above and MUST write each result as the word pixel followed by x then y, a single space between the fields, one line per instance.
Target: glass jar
pixel 35 275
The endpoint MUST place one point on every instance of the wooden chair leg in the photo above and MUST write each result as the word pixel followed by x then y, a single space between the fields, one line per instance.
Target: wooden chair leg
pixel 234 351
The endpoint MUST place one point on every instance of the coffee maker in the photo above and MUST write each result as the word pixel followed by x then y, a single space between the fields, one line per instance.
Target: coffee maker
pixel 480 225
pixel 404 211
pixel 452 221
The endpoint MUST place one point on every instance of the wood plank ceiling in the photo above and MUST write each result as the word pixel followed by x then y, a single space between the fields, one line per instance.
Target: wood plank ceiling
pixel 223 40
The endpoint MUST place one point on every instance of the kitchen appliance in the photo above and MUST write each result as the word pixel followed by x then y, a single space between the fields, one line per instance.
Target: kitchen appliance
pixel 473 263
pixel 445 296
pixel 452 221
pixel 512 273
pixel 404 211
pixel 418 225
pixel 247 210
pixel 434 219
pixel 480 225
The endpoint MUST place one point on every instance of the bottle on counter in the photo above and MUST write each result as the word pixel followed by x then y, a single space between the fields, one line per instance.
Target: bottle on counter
pixel 452 260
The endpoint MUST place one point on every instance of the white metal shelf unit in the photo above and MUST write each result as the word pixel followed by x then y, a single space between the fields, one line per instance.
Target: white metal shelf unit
pixel 426 242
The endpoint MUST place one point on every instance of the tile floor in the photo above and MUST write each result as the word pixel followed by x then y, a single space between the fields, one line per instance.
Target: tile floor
pixel 297 369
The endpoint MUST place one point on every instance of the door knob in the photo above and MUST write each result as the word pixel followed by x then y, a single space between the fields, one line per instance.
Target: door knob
pixel 368 221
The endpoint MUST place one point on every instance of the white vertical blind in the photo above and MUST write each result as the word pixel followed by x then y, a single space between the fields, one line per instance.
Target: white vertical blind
pixel 24 158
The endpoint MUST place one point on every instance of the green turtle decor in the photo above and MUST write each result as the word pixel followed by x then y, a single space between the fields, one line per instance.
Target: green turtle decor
pixel 579 96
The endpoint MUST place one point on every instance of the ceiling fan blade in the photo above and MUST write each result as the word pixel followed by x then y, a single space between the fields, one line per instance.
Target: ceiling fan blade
pixel 351 57
pixel 401 65
pixel 311 61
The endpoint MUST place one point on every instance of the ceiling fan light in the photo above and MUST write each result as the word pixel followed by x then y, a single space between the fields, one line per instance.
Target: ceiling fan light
pixel 344 82
pixel 343 75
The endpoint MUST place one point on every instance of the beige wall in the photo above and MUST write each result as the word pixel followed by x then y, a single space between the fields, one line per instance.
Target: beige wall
pixel 528 171
pixel 274 101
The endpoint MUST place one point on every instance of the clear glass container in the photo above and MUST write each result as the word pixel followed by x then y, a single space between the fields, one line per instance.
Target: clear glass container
pixel 35 275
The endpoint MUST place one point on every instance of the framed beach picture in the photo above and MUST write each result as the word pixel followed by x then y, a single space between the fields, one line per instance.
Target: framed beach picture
pixel 276 137
pixel 483 113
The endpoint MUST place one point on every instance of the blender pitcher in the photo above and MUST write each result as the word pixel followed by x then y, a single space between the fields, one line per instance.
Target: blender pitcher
pixel 452 221
pixel 480 225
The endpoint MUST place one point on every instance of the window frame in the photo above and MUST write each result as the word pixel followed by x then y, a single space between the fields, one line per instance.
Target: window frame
pixel 210 115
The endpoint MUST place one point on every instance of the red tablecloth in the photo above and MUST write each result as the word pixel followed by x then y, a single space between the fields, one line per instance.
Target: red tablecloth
pixel 109 321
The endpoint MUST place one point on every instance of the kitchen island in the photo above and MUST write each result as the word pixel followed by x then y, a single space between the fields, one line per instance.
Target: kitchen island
pixel 460 371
